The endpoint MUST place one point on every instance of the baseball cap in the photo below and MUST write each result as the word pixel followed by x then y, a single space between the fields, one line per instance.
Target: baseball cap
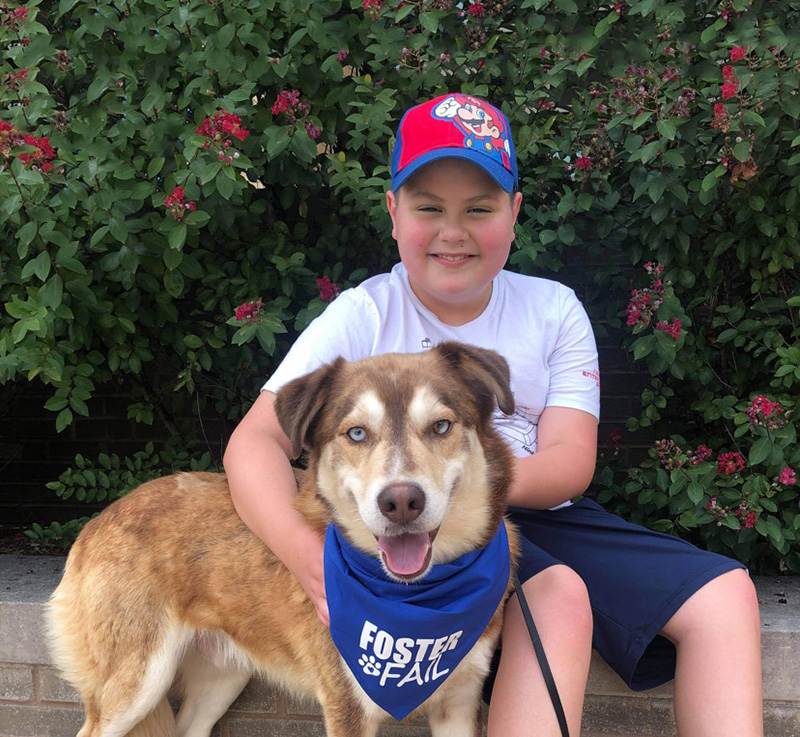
pixel 455 126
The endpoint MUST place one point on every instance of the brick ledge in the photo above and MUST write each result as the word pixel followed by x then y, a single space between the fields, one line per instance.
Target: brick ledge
pixel 34 702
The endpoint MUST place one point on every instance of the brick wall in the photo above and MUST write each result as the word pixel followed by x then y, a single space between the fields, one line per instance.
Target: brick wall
pixel 32 453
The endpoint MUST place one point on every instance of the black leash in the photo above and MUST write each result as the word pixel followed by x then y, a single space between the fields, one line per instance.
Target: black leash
pixel 542 658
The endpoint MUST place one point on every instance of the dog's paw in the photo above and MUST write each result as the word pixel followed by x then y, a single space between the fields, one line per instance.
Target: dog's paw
pixel 370 665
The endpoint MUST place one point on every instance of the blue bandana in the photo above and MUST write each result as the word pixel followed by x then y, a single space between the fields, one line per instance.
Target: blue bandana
pixel 402 640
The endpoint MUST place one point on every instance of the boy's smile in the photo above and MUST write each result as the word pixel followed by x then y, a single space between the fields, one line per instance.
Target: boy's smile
pixel 454 227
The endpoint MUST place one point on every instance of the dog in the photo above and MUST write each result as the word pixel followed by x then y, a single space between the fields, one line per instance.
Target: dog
pixel 167 591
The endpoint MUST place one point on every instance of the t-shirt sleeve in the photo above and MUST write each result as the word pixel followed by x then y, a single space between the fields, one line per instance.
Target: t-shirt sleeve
pixel 574 368
pixel 347 328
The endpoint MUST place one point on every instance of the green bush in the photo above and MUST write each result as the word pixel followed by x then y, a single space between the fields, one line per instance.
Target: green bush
pixel 168 164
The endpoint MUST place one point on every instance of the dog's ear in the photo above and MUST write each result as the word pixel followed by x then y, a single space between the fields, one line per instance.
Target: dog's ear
pixel 485 370
pixel 299 403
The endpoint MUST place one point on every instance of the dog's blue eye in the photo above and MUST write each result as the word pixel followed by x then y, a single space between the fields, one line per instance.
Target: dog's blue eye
pixel 442 427
pixel 357 434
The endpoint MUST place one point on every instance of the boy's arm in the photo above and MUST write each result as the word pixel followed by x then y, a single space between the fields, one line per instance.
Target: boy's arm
pixel 263 488
pixel 563 465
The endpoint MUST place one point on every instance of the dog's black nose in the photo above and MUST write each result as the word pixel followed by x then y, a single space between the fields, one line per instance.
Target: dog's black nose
pixel 401 503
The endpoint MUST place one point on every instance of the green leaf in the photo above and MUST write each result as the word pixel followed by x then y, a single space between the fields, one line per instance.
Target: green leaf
pixel 742 150
pixel 695 492
pixel 55 404
pixel 27 233
pixel 192 341
pixel 98 86
pixel 63 420
pixel 760 451
pixel 224 185
pixel 641 119
pixel 155 166
pixel 177 236
pixel 667 128
pixel 643 347
pixel 296 38
pixel 710 179
pixel 712 30
pixel 751 117
pixel 173 283
pixel 429 21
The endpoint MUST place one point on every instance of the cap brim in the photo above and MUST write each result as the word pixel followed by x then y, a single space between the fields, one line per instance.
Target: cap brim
pixel 501 175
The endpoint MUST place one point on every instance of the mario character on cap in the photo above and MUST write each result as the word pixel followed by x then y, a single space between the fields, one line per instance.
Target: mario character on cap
pixel 455 126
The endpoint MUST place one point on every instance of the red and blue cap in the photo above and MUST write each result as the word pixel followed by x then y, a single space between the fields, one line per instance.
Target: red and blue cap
pixel 455 126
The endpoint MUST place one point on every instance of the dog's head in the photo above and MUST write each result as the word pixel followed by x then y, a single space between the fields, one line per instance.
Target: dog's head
pixel 402 450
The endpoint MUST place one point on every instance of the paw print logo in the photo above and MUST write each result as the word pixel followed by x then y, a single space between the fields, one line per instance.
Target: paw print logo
pixel 371 666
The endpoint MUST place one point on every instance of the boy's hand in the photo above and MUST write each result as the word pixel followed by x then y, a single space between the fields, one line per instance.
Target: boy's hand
pixel 314 586
pixel 309 570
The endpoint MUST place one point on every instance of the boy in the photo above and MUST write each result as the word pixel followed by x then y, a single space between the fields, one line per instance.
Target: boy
pixel 654 606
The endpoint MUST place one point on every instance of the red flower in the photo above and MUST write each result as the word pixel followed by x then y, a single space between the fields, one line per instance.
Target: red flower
pixel 13 18
pixel 763 413
pixel 703 452
pixel 287 100
pixel 312 130
pixel 177 204
pixel 728 72
pixel 249 311
pixel 729 89
pixel 584 163
pixel 341 56
pixel 729 464
pixel 738 53
pixel 749 519
pixel 41 156
pixel 787 477
pixel 289 103
pixel 222 126
pixel 328 291
pixel 672 329
pixel 13 80
pixel 476 10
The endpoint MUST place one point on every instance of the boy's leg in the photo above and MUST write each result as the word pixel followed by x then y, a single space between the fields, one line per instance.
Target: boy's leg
pixel 718 672
pixel 520 704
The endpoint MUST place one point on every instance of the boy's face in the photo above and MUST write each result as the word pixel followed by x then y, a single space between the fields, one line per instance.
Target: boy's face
pixel 454 228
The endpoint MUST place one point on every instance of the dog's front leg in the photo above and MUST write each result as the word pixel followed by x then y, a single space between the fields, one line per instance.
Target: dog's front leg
pixel 458 714
pixel 466 723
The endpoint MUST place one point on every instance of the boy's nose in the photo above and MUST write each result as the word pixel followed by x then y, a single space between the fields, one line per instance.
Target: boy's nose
pixel 453 232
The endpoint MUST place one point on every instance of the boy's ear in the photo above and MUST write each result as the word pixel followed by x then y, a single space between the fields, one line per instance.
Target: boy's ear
pixel 299 403
pixel 391 206
pixel 516 204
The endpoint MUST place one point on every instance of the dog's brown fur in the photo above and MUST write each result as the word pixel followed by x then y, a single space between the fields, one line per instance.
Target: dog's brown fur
pixel 168 583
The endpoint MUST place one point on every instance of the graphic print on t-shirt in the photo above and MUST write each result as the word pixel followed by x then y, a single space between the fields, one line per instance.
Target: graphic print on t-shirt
pixel 518 429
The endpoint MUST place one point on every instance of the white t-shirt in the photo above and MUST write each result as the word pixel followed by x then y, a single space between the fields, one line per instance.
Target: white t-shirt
pixel 537 325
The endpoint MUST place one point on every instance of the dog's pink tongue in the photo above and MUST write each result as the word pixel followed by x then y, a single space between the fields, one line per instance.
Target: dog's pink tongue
pixel 405 554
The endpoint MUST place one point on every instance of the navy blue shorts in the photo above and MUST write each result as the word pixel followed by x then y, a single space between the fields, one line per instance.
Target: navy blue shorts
pixel 636 578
